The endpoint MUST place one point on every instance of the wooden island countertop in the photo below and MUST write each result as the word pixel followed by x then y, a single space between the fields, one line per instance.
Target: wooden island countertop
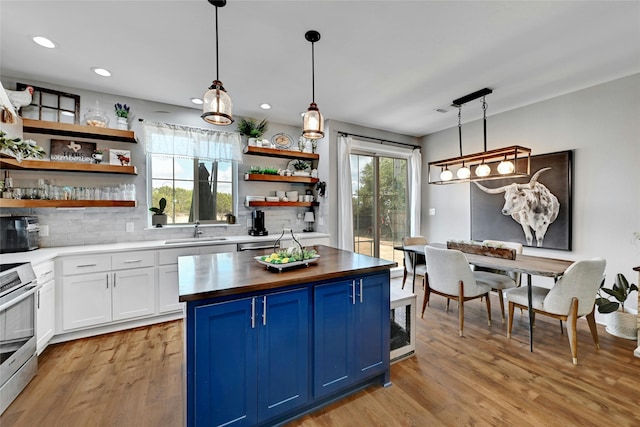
pixel 209 276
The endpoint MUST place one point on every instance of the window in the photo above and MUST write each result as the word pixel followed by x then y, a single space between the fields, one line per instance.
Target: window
pixel 194 169
pixel 195 190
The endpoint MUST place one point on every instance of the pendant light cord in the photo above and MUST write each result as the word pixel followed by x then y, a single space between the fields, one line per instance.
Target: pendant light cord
pixel 313 74
pixel 484 120
pixel 217 71
pixel 460 127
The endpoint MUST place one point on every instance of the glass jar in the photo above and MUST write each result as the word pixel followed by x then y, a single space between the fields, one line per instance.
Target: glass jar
pixel 95 117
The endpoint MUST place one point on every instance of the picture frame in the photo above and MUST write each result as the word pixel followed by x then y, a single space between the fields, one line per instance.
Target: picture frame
pixel 63 150
pixel 488 222
pixel 119 157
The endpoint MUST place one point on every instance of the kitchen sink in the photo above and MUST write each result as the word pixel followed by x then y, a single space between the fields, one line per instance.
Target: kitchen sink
pixel 194 240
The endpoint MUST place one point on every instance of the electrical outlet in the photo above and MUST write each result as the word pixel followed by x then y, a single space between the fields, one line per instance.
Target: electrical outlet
pixel 321 220
pixel 44 230
pixel 432 211
pixel 129 227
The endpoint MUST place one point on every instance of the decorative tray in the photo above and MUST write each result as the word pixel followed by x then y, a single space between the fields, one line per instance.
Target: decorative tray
pixel 280 267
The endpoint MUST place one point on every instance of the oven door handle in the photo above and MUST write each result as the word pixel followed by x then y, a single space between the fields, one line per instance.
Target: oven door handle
pixel 24 293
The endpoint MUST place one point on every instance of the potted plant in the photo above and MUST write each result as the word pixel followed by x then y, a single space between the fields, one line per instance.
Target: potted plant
pixel 252 129
pixel 619 323
pixel 122 114
pixel 97 155
pixel 158 219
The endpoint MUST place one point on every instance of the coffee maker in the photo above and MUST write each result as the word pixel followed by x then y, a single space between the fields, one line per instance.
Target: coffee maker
pixel 257 224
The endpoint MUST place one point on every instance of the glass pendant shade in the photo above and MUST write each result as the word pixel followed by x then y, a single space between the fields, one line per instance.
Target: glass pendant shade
pixel 217 106
pixel 463 172
pixel 313 123
pixel 505 167
pixel 446 175
pixel 483 170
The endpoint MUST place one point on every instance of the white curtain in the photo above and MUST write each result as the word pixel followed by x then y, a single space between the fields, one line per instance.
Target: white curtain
pixel 345 210
pixel 415 188
pixel 186 141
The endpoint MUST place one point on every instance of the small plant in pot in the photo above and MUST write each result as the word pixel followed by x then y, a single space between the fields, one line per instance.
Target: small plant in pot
pixel 252 129
pixel 159 218
pixel 619 322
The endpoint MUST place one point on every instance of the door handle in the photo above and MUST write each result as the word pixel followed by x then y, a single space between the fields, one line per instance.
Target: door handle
pixel 114 280
pixel 253 313
pixel 264 310
pixel 360 291
pixel 107 280
pixel 353 292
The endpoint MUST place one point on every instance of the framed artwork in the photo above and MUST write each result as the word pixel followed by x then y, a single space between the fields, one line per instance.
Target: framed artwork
pixel 63 150
pixel 534 210
pixel 119 157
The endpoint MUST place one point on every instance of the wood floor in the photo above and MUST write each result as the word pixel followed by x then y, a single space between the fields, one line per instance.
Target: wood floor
pixel 135 378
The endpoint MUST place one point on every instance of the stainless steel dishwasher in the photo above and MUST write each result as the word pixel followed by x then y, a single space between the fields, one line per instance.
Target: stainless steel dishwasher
pixel 257 246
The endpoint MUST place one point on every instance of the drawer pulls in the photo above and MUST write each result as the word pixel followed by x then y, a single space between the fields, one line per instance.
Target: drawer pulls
pixel 86 265
pixel 133 261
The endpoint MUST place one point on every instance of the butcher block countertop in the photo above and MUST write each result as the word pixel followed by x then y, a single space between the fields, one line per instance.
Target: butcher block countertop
pixel 216 275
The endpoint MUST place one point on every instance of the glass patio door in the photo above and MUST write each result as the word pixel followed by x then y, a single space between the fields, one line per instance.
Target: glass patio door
pixel 380 198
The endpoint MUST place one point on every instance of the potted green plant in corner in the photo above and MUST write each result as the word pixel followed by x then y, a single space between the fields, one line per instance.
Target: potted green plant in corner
pixel 252 130
pixel 158 219
pixel 619 322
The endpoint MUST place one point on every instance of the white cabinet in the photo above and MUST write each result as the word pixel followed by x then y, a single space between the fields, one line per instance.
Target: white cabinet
pixel 45 304
pixel 102 288
pixel 168 290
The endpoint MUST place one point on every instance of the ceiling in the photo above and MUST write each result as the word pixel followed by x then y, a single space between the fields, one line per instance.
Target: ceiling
pixel 381 64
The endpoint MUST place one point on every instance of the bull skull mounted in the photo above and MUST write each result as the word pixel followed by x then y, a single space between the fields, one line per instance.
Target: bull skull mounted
pixel 531 205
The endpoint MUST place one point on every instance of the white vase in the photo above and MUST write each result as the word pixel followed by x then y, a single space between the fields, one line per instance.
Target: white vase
pixel 122 123
pixel 622 325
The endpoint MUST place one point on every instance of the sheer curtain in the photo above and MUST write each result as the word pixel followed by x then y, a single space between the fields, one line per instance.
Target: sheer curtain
pixel 415 189
pixel 345 208
pixel 191 142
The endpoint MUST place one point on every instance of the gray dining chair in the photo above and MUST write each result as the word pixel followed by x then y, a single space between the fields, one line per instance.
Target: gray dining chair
pixel 450 275
pixel 571 297
pixel 420 266
pixel 500 280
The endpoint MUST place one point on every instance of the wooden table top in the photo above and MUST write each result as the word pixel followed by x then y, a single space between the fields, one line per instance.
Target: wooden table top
pixel 527 264
pixel 208 276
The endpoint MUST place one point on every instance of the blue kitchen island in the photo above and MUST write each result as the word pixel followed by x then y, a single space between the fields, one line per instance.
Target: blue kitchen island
pixel 265 347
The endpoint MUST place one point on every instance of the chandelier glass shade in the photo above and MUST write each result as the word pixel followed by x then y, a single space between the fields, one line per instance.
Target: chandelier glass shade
pixel 312 120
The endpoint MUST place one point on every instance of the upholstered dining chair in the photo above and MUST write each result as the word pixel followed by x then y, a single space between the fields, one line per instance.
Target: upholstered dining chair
pixel 450 275
pixel 420 266
pixel 502 280
pixel 572 296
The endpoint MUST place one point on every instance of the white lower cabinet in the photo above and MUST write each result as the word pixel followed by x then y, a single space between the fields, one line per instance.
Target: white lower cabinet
pixel 45 304
pixel 86 300
pixel 133 293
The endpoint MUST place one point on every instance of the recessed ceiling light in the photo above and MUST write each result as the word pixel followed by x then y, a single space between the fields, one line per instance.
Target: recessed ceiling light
pixel 101 71
pixel 265 106
pixel 196 101
pixel 44 42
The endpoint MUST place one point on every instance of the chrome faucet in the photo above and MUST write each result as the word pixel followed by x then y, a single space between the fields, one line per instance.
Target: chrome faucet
pixel 196 232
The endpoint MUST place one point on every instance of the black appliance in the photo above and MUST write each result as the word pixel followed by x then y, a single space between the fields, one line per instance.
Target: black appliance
pixel 257 224
pixel 19 233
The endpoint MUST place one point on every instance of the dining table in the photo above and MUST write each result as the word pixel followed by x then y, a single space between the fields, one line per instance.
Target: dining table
pixel 524 264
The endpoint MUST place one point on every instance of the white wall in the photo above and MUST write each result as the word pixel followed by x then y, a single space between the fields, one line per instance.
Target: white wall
pixel 602 125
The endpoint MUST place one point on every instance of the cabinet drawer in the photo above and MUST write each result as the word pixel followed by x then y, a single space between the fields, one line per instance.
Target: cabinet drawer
pixel 170 256
pixel 44 271
pixel 135 259
pixel 86 264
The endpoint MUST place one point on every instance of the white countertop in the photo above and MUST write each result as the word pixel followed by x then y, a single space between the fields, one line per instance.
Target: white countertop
pixel 44 254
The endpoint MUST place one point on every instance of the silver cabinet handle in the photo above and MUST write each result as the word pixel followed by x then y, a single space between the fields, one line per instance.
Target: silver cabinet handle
pixel 253 313
pixel 86 265
pixel 114 280
pixel 360 291
pixel 38 299
pixel 353 292
pixel 264 310
pixel 132 261
pixel 107 280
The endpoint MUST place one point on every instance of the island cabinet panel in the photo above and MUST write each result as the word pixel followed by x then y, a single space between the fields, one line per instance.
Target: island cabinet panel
pixel 251 359
pixel 351 330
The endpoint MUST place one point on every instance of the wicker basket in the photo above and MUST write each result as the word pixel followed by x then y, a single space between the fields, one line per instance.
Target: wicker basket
pixel 622 325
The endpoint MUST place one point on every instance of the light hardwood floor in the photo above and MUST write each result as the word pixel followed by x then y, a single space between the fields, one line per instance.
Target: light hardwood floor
pixel 135 378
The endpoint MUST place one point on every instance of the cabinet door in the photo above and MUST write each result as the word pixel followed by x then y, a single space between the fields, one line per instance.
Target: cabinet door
pixel 223 379
pixel 372 330
pixel 86 300
pixel 168 289
pixel 133 293
pixel 45 315
pixel 283 352
pixel 333 337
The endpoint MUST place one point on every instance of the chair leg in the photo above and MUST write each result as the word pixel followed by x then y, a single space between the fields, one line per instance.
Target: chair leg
pixel 510 319
pixel 591 320
pixel 501 298
pixel 425 301
pixel 561 328
pixel 448 301
pixel 571 329
pixel 460 306
pixel 489 309
pixel 404 277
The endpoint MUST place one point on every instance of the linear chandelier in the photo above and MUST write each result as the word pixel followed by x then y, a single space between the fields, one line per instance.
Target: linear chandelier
pixel 512 161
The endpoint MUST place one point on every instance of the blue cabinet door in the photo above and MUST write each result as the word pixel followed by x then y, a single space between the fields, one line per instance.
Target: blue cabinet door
pixel 333 337
pixel 225 351
pixel 283 352
pixel 372 325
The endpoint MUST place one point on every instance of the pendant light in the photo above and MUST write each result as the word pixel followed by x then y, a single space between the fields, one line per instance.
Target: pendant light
pixel 463 172
pixel 217 106
pixel 312 121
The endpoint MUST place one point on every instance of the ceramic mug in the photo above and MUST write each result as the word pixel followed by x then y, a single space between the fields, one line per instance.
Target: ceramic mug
pixel 308 198
pixel 301 198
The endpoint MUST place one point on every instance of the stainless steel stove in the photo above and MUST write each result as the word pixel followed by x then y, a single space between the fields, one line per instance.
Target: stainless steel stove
pixel 18 360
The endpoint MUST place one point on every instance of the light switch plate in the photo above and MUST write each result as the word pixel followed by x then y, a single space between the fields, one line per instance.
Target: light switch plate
pixel 432 211
pixel 129 227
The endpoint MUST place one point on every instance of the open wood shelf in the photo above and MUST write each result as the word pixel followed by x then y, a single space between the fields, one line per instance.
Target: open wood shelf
pixel 20 203
pixel 10 163
pixel 77 131
pixel 284 204
pixel 278 178
pixel 286 154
